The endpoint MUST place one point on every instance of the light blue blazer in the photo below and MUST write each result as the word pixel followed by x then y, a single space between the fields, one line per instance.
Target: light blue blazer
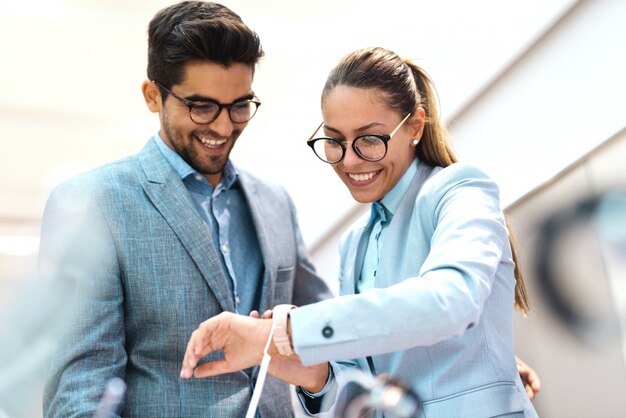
pixel 146 272
pixel 440 315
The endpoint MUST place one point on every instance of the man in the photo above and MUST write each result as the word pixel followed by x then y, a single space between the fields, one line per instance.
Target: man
pixel 158 242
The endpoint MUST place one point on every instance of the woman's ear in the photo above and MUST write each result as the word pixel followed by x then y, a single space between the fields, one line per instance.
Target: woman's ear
pixel 152 96
pixel 417 122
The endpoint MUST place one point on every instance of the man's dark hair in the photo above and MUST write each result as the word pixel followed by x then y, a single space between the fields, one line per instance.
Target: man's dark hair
pixel 196 31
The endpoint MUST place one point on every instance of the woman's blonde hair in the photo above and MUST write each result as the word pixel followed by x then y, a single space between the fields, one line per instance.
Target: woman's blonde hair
pixel 405 86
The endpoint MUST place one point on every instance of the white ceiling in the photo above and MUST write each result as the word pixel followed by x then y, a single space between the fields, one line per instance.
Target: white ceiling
pixel 72 71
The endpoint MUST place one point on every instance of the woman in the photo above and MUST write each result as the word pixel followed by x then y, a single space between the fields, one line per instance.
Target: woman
pixel 428 279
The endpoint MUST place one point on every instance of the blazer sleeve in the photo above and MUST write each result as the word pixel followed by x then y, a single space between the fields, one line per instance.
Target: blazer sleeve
pixel 77 253
pixel 468 235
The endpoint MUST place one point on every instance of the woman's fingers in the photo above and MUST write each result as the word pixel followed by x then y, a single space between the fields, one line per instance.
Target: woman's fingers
pixel 529 377
pixel 241 338
pixel 213 368
pixel 201 343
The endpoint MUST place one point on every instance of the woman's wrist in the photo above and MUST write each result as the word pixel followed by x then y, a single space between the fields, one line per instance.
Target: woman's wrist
pixel 321 378
pixel 282 341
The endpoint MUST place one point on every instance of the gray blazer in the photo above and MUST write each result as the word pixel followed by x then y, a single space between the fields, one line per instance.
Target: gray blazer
pixel 146 274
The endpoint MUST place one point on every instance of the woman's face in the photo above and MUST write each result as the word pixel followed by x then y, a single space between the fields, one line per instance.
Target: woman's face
pixel 349 112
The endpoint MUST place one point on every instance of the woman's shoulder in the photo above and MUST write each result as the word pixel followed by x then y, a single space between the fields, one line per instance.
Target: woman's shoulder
pixel 456 181
pixel 456 172
pixel 442 179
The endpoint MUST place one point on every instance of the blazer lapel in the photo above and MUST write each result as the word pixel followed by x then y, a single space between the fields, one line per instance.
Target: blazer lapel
pixel 169 196
pixel 393 245
pixel 263 230
pixel 351 268
pixel 359 257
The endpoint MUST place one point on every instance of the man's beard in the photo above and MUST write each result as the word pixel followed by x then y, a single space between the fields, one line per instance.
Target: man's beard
pixel 186 149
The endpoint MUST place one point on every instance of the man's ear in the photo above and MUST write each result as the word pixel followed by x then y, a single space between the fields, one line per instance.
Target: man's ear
pixel 152 96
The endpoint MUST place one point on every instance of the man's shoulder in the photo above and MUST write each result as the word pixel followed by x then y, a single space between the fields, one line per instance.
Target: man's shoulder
pixel 123 172
pixel 113 173
pixel 261 184
pixel 104 183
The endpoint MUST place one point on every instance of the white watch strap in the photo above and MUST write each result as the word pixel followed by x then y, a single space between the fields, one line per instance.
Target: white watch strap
pixel 281 332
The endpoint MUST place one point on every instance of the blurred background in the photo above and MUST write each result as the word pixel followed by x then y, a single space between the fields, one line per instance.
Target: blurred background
pixel 533 92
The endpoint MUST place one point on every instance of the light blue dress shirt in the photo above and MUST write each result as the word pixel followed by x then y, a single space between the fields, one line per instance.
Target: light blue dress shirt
pixel 227 216
pixel 381 215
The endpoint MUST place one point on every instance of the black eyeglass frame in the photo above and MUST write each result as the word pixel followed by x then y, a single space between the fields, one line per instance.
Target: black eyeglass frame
pixel 385 138
pixel 190 104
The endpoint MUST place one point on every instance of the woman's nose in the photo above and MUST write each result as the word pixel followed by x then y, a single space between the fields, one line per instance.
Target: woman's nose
pixel 351 158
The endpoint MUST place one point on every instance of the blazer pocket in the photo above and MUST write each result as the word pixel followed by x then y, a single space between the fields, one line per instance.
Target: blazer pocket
pixel 492 400
pixel 283 274
pixel 283 288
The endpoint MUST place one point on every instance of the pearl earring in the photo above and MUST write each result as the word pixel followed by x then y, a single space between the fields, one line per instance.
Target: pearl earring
pixel 416 141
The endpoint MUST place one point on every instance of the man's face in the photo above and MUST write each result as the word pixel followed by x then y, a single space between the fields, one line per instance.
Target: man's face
pixel 205 147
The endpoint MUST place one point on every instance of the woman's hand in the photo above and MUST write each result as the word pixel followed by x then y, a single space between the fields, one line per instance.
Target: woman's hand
pixel 242 339
pixel 290 370
pixel 530 379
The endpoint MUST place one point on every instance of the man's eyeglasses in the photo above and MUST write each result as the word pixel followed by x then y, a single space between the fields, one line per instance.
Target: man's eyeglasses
pixel 208 110
pixel 370 147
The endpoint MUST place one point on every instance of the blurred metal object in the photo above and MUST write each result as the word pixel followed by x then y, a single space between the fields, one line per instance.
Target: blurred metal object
pixel 582 244
pixel 111 398
pixel 610 221
pixel 363 394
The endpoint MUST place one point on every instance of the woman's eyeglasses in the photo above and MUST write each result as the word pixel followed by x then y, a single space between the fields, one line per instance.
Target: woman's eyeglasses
pixel 370 147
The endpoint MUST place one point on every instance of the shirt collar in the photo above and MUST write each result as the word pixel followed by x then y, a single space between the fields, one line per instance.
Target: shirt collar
pixel 184 170
pixel 389 204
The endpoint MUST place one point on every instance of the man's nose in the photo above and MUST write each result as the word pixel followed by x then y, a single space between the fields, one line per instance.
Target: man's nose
pixel 222 125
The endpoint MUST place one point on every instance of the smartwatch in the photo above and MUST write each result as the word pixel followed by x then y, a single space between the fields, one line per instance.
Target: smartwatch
pixel 281 331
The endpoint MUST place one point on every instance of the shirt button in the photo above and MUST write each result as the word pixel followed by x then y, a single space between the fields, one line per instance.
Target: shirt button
pixel 327 332
pixel 198 177
pixel 224 248
pixel 237 300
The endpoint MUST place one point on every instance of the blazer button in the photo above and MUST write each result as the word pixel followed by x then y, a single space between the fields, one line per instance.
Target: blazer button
pixel 327 332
